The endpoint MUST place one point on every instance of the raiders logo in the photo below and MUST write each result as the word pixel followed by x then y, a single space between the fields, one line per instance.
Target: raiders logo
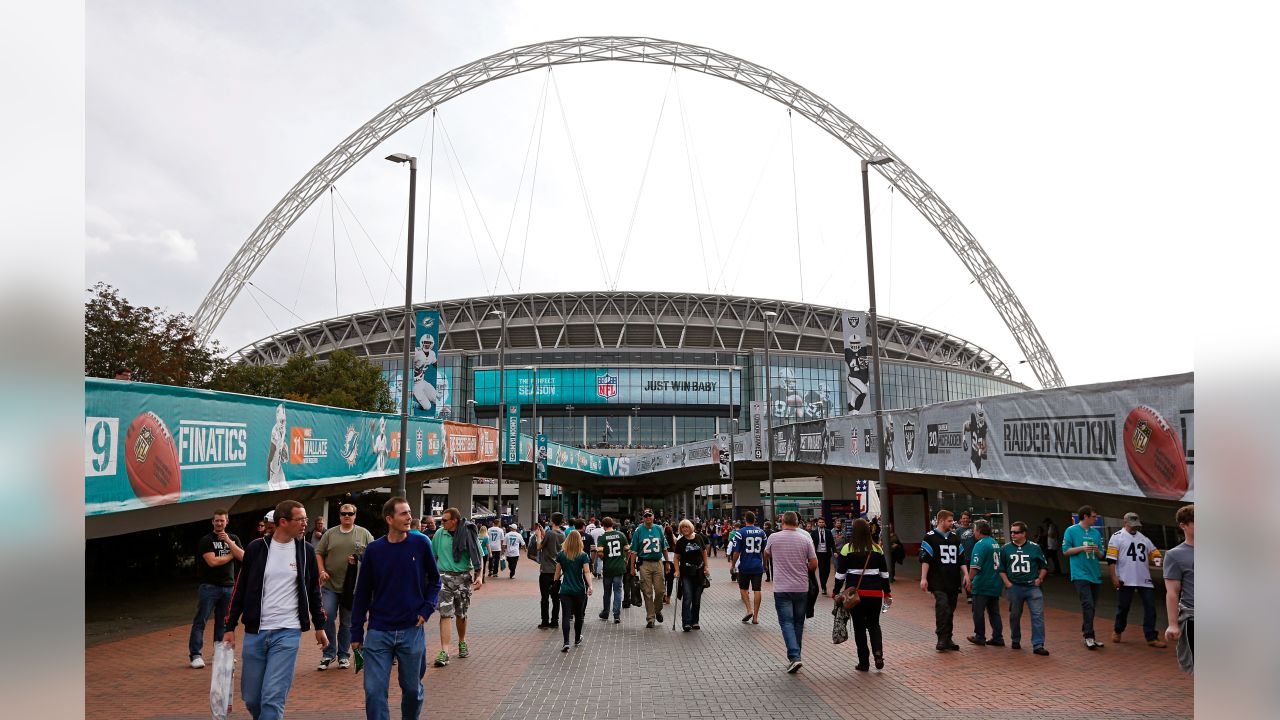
pixel 909 438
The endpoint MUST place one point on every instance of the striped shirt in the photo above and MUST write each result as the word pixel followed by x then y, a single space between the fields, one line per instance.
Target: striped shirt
pixel 875 579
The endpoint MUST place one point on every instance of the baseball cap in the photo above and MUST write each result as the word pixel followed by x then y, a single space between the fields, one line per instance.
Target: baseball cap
pixel 270 516
pixel 648 513
pixel 1132 519
pixel 512 526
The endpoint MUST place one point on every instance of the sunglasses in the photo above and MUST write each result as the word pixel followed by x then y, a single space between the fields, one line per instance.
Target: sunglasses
pixel 1018 532
pixel 346 514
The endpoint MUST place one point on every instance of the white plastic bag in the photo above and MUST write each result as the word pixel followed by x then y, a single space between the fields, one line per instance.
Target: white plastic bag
pixel 220 689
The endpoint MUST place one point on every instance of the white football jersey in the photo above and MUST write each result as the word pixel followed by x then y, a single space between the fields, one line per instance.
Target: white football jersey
pixel 1132 555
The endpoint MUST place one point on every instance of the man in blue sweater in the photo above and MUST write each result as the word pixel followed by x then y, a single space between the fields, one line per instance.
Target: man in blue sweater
pixel 397 591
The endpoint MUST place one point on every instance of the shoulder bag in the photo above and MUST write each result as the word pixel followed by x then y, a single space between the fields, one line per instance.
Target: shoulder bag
pixel 849 597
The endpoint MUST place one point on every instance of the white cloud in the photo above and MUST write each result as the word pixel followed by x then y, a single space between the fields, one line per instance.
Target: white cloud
pixel 106 234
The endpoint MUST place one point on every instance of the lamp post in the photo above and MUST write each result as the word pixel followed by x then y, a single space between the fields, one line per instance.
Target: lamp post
pixel 733 425
pixel 502 402
pixel 768 411
pixel 883 487
pixel 534 426
pixel 534 368
pixel 471 411
pixel 409 322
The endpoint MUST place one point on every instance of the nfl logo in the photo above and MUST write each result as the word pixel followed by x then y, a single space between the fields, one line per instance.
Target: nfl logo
pixel 607 385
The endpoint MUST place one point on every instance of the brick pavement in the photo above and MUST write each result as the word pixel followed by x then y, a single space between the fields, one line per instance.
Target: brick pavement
pixel 726 669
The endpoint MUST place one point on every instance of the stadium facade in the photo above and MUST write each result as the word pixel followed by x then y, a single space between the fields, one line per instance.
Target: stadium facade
pixel 620 370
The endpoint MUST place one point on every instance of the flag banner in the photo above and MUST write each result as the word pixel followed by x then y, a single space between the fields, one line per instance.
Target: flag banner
pixel 857 358
pixel 723 455
pixel 540 458
pixel 511 435
pixel 426 398
pixel 757 430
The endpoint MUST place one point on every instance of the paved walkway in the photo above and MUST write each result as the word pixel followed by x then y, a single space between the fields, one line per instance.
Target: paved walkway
pixel 726 670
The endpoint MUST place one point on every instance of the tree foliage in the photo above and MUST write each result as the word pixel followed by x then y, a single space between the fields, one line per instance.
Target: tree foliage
pixel 159 347
pixel 345 380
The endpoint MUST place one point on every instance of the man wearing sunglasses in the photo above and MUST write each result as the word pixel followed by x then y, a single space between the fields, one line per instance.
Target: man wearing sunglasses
pixel 336 553
pixel 1022 570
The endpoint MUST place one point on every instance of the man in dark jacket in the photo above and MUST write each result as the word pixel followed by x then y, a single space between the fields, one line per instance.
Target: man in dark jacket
pixel 824 543
pixel 278 596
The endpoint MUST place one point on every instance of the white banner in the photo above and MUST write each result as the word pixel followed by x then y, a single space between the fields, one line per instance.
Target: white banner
pixel 857 356
pixel 757 430
pixel 721 451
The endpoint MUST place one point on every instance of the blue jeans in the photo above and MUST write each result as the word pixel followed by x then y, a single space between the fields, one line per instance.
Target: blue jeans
pixel 409 647
pixel 210 598
pixel 613 589
pixel 1034 598
pixel 1125 599
pixel 791 607
pixel 691 602
pixel 340 642
pixel 269 659
pixel 1088 592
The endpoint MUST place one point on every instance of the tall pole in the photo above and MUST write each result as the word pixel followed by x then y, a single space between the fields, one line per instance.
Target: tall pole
pixel 883 487
pixel 537 495
pixel 502 404
pixel 409 322
pixel 768 412
pixel 733 420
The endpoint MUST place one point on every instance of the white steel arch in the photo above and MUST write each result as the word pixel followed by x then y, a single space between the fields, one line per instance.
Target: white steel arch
pixel 518 60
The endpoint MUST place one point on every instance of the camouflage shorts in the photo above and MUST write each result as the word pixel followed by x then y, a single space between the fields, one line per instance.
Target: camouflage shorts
pixel 455 594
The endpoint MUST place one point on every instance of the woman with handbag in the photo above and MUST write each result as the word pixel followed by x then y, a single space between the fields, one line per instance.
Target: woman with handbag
pixel 866 581
pixel 692 572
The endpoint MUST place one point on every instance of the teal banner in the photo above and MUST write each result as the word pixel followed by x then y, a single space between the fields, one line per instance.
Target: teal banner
pixel 540 459
pixel 626 386
pixel 511 436
pixel 427 398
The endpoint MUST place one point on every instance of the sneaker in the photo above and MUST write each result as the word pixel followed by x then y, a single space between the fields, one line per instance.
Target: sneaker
pixel 564 649
pixel 974 639
pixel 746 618
pixel 1115 637
pixel 649 624
pixel 794 667
pixel 687 628
pixel 1157 643
pixel 442 659
pixel 1092 644
pixel 940 647
pixel 197 662
pixel 1040 651
pixel 696 626
pixel 325 663
pixel 952 646
pixel 659 617
pixel 1015 645
pixel 344 664
pixel 617 620
pixel 463 650
pixel 995 643
pixel 604 615
pixel 577 642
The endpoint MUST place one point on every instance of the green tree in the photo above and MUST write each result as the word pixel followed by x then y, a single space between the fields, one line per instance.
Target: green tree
pixel 344 380
pixel 159 347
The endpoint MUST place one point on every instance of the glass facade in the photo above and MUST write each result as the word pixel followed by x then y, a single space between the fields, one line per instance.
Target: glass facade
pixel 653 399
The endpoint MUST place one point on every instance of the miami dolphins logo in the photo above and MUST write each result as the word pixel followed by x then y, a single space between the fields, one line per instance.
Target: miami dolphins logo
pixel 351 445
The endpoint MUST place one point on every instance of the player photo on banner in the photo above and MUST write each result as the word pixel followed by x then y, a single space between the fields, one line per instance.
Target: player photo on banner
pixel 721 452
pixel 797 394
pixel 427 399
pixel 857 357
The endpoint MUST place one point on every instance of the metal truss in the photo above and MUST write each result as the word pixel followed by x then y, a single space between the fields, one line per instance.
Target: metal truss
pixel 622 319
pixel 638 50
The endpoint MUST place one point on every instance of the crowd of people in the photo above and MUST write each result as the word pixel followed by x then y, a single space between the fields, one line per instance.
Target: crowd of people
pixel 368 600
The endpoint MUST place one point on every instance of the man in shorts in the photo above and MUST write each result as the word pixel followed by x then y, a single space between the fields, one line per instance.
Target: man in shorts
pixel 457 552
pixel 747 550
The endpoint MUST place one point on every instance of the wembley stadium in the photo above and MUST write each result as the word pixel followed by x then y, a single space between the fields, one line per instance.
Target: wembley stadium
pixel 628 371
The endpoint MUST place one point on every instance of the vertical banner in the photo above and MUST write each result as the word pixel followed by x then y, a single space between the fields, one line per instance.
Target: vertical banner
pixel 857 356
pixel 426 399
pixel 511 435
pixel 721 453
pixel 757 430
pixel 540 458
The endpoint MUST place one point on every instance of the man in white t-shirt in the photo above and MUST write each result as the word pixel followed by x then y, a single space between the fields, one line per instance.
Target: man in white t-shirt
pixel 514 541
pixel 278 597
pixel 597 568
pixel 494 537
pixel 1128 554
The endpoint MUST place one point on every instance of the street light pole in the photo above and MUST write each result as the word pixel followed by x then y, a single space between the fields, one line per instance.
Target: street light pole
pixel 883 487
pixel 409 322
pixel 502 402
pixel 733 425
pixel 768 411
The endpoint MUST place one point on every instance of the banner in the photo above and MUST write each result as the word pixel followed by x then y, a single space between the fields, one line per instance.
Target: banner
pixel 540 458
pixel 625 386
pixel 757 430
pixel 511 435
pixel 467 444
pixel 813 393
pixel 426 398
pixel 723 455
pixel 857 357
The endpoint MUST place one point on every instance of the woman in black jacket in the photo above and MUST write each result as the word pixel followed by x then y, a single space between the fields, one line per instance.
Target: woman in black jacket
pixel 863 567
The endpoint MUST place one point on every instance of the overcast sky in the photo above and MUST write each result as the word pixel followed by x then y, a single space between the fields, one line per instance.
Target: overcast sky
pixel 1062 141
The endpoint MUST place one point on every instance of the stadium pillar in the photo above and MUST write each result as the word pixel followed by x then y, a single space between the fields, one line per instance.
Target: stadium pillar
pixel 460 493
pixel 746 493
pixel 840 490
pixel 413 493
pixel 528 503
